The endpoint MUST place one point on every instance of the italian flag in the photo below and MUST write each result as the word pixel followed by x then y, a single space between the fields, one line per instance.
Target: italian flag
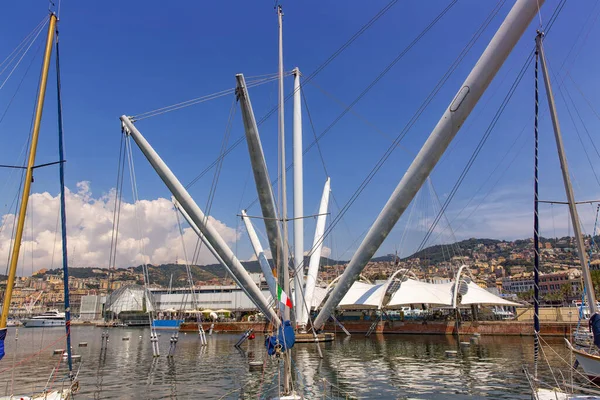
pixel 282 297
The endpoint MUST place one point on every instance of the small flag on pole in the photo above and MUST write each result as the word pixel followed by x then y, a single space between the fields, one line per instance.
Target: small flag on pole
pixel 282 297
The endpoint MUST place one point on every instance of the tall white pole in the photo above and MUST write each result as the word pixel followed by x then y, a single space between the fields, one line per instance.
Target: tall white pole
pixel 260 255
pixel 284 275
pixel 212 235
pixel 299 298
pixel 463 103
pixel 315 257
pixel 564 166
pixel 261 174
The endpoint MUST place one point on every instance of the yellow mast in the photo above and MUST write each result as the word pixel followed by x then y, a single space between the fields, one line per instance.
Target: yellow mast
pixel 29 174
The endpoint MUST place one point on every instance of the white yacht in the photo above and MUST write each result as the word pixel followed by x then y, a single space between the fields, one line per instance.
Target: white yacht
pixel 48 319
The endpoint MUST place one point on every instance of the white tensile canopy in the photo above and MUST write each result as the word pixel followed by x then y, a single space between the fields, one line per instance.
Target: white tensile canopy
pixel 363 296
pixel 478 295
pixel 415 292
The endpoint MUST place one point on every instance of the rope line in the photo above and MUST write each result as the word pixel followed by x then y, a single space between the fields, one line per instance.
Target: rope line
pixel 62 337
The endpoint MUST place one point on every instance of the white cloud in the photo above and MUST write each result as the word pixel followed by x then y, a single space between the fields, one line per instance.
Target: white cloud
pixel 151 236
pixel 508 215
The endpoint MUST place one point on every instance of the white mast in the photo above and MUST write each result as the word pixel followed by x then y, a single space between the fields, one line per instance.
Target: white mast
pixel 315 257
pixel 261 174
pixel 284 276
pixel 189 205
pixel 299 298
pixel 564 166
pixel 260 255
pixel 463 103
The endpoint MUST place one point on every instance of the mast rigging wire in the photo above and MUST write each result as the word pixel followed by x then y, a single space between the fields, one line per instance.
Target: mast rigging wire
pixel 587 156
pixel 22 45
pixel 135 199
pixel 413 119
pixel 490 127
pixel 112 260
pixel 215 181
pixel 20 59
pixel 362 30
pixel 201 99
pixel 423 106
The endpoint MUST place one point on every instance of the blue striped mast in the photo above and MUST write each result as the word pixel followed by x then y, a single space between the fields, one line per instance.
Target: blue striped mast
pixel 63 216
pixel 536 222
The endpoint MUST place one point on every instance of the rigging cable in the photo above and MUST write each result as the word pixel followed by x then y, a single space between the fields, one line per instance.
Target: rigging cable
pixel 17 197
pixel 198 100
pixel 413 119
pixel 362 30
pixel 146 298
pixel 477 150
pixel 583 124
pixel 499 178
pixel 560 90
pixel 215 182
pixel 23 44
pixel 20 59
pixel 112 258
pixel 388 68
pixel 423 106
pixel 491 126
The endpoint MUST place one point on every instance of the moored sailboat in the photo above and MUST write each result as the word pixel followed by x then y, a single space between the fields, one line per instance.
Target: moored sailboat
pixel 52 318
pixel 589 361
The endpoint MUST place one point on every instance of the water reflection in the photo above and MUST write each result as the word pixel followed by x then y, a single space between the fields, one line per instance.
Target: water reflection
pixel 388 367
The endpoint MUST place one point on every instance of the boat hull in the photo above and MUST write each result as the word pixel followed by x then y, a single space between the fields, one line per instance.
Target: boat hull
pixel 166 324
pixel 43 323
pixel 590 363
pixel 52 395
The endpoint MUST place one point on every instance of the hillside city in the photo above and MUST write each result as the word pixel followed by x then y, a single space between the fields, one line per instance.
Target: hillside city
pixel 505 266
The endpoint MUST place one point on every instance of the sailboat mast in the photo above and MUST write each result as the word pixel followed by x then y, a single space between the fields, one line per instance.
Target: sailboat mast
pixel 298 205
pixel 587 277
pixel 536 222
pixel 284 273
pixel 29 173
pixel 63 215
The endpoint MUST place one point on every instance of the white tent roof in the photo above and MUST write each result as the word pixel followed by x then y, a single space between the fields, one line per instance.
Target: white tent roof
pixel 363 295
pixel 478 295
pixel 415 292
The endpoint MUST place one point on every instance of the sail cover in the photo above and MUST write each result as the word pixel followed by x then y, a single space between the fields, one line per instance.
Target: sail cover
pixel 2 337
pixel 415 292
pixel 363 295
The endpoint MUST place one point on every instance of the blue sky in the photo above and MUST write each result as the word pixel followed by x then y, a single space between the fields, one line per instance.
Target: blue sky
pixel 135 56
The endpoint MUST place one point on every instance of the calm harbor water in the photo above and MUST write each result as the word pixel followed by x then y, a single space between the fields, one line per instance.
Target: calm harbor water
pixel 378 367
